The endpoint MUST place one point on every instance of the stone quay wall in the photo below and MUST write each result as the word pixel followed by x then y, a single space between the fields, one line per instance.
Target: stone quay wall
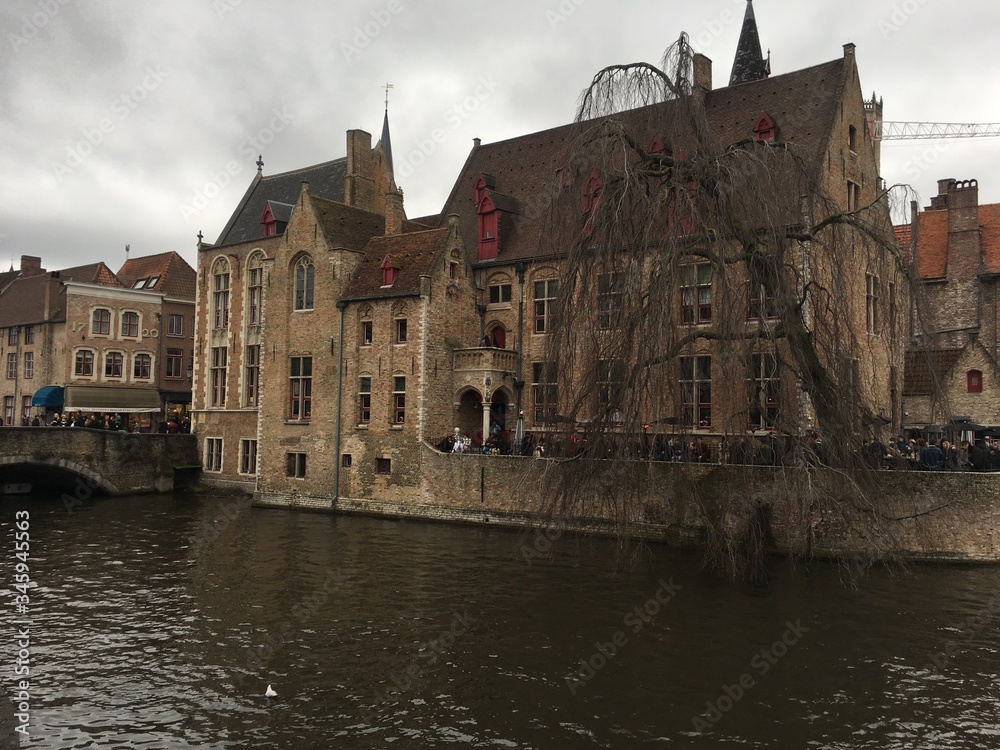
pixel 931 516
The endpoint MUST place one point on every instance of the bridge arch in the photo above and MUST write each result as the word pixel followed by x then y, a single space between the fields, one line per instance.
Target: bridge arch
pixel 93 478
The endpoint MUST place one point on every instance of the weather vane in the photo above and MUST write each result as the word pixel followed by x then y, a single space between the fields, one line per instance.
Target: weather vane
pixel 387 87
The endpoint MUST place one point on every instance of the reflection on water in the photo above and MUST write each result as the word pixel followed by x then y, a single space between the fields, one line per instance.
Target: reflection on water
pixel 159 621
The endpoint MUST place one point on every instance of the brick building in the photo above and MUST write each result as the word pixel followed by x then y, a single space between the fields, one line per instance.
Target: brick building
pixel 336 339
pixel 951 364
pixel 80 340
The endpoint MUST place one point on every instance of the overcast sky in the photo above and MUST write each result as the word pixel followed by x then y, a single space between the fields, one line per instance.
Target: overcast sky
pixel 139 122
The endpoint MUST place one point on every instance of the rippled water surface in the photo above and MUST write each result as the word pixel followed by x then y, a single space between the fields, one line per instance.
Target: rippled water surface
pixel 158 622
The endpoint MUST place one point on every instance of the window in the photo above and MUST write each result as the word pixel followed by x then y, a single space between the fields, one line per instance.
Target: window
pixel 13 335
pixel 389 272
pixel 365 401
pixel 892 309
pixel 760 298
pixel 152 282
pixel 347 460
pixel 29 365
pixel 853 196
pixel 175 325
pixel 220 294
pixel 398 400
pixel 11 366
pixel 143 367
pixel 25 410
pixel 762 392
pixel 174 363
pixel 871 304
pixel 220 360
pixel 8 410
pixel 696 391
pixel 543 388
pixel 610 288
pixel 29 334
pixel 305 279
pixel 130 325
pixel 366 333
pixel 383 466
pixel 696 293
pixel 852 138
pixel 101 322
pixel 610 377
pixel 545 297
pixel 974 381
pixel 500 294
pixel 401 330
pixel 140 283
pixel 213 454
pixel 295 465
pixel 300 407
pixel 248 457
pixel 84 366
pixel 255 289
pixel 113 365
pixel 251 385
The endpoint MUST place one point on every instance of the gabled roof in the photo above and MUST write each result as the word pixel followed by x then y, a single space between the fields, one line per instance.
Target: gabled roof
pixel 326 180
pixel 7 277
pixel 411 254
pixel 345 226
pixel 280 211
pixel 92 273
pixel 173 275
pixel 23 302
pixel 924 370
pixel 803 104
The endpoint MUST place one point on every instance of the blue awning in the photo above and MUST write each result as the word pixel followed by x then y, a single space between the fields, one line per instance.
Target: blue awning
pixel 51 397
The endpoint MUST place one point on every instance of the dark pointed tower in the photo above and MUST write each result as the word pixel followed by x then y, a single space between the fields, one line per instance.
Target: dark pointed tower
pixel 750 64
pixel 384 140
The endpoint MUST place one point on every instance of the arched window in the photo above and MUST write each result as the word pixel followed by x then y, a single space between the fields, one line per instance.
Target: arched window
pixel 974 380
pixel 143 367
pixel 255 287
pixel 130 325
pixel 305 281
pixel 220 294
pixel 101 322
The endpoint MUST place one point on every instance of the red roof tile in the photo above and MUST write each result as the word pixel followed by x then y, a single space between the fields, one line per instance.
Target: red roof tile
pixel 932 244
pixel 989 220
pixel 176 277
pixel 411 254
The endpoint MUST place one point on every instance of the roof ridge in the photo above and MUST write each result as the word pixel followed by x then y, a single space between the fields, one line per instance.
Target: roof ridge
pixel 302 169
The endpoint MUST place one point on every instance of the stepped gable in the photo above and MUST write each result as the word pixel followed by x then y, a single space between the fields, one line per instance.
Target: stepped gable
pixel 411 254
pixel 325 180
pixel 169 273
pixel 343 225
pixel 803 105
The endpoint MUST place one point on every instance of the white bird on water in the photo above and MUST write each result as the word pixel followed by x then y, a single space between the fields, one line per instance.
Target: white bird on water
pixel 269 693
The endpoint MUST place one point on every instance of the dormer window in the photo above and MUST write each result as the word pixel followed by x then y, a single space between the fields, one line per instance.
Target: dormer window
pixel 765 129
pixel 140 283
pixel 275 219
pixel 489 219
pixel 389 273
pixel 657 147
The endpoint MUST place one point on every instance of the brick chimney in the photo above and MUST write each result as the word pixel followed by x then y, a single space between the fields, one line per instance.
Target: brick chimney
pixel 31 266
pixel 394 215
pixel 359 184
pixel 702 72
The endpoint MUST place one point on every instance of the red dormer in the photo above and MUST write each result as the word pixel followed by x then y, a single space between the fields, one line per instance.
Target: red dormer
pixel 765 129
pixel 489 218
pixel 275 219
pixel 657 147
pixel 389 272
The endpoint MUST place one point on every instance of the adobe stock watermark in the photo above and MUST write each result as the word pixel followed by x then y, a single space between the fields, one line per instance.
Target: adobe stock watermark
pixel 223 8
pixel 367 32
pixel 33 24
pixel 968 629
pixel 635 620
pixel 562 12
pixel 761 663
pixel 544 540
pixel 121 109
pixel 916 165
pixel 900 16
pixel 250 147
pixel 455 115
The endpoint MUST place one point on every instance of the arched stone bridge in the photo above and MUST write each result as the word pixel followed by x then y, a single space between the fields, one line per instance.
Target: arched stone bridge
pixel 114 463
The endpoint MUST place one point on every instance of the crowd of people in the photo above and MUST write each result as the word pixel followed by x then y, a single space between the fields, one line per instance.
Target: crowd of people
pixel 171 424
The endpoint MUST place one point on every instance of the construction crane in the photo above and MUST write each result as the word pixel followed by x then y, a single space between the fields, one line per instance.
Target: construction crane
pixel 911 131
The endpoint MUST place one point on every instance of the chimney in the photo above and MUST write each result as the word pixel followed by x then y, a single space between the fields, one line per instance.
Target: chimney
pixel 394 212
pixel 963 206
pixel 702 72
pixel 31 266
pixel 359 184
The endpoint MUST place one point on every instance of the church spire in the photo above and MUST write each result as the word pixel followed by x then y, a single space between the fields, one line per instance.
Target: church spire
pixel 750 64
pixel 384 140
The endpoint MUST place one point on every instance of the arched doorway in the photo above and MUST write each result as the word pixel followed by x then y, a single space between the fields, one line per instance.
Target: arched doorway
pixel 469 418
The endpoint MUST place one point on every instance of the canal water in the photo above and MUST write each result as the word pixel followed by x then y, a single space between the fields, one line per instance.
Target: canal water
pixel 158 622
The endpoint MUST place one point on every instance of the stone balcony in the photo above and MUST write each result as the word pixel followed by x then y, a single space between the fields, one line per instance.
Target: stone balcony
pixel 485 369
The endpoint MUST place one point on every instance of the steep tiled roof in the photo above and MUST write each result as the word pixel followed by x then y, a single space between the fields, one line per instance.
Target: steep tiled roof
pixel 932 244
pixel 346 226
pixel 989 220
pixel 411 254
pixel 176 277
pixel 8 276
pixel 925 370
pixel 326 180
pixel 802 103
pixel 93 273
pixel 23 302
pixel 904 233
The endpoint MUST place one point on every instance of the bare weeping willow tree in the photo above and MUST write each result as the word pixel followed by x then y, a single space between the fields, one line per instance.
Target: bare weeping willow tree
pixel 712 304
